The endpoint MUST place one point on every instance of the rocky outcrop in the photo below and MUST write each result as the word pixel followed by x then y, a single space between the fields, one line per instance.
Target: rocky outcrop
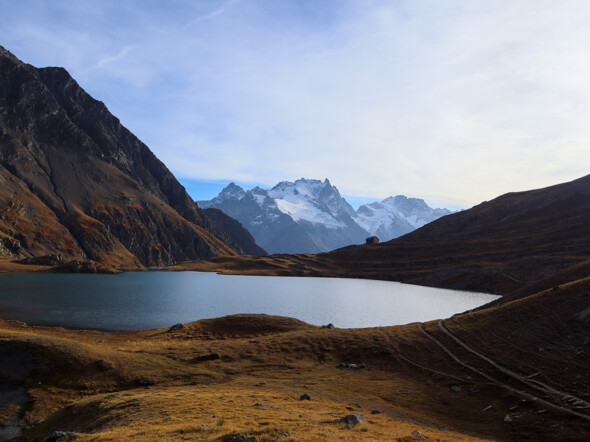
pixel 75 182
pixel 239 238
pixel 76 266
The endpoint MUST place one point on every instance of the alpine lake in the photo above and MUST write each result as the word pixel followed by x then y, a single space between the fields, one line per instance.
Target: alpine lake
pixel 145 300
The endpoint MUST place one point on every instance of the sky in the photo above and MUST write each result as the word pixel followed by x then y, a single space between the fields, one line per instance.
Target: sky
pixel 452 101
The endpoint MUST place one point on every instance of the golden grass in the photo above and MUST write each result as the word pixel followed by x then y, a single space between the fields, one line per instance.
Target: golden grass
pixel 254 389
pixel 207 412
pixel 266 364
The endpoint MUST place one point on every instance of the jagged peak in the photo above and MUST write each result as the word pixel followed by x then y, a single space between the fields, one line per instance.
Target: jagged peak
pixel 283 184
pixel 259 191
pixel 6 53
pixel 232 190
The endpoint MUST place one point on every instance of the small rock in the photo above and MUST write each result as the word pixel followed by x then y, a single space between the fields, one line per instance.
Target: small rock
pixel 416 433
pixel 285 433
pixel 145 382
pixel 328 326
pixel 354 404
pixel 486 408
pixel 350 366
pixel 377 412
pixel 305 397
pixel 60 436
pixel 103 365
pixel 239 438
pixel 507 418
pixel 209 357
pixel 455 388
pixel 352 419
pixel 175 327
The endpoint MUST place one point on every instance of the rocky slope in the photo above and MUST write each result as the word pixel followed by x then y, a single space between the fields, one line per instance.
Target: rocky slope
pixel 78 184
pixel 310 216
pixel 233 229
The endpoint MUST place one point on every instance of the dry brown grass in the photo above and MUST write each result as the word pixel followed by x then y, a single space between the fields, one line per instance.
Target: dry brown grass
pixel 253 389
pixel 266 364
pixel 7 266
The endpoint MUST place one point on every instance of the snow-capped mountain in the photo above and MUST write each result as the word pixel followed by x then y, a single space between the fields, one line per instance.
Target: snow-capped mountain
pixel 310 216
pixel 305 216
pixel 396 216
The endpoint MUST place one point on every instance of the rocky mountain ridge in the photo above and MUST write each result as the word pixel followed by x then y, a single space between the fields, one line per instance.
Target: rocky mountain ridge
pixel 78 184
pixel 310 216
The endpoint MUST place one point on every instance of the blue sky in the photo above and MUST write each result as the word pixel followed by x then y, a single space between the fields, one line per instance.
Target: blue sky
pixel 452 101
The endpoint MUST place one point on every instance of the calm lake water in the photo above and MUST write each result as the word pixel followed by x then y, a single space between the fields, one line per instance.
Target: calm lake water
pixel 132 301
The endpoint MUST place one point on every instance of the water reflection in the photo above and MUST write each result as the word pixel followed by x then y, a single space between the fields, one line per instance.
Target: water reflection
pixel 131 301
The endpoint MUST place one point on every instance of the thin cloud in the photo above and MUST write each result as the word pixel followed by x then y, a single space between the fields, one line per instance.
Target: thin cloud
pixel 452 100
pixel 214 13
pixel 113 58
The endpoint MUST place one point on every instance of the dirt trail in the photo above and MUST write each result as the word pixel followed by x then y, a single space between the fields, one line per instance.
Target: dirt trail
pixel 528 395
pixel 540 386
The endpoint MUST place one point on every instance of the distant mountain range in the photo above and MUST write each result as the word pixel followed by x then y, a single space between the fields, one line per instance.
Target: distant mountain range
pixel 76 184
pixel 310 216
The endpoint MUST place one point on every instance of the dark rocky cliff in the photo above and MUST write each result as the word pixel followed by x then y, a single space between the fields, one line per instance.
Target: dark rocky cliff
pixel 81 185
pixel 235 230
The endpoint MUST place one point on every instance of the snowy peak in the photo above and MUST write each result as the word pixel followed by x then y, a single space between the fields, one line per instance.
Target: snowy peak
pixel 405 204
pixel 312 201
pixel 396 216
pixel 232 190
pixel 311 216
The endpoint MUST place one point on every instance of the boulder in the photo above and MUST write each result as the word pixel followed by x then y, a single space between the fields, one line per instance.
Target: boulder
pixel 103 365
pixel 60 436
pixel 175 327
pixel 208 357
pixel 239 438
pixel 145 382
pixel 352 419
pixel 351 366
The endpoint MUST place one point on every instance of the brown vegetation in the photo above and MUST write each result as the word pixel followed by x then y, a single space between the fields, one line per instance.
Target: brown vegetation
pixel 91 382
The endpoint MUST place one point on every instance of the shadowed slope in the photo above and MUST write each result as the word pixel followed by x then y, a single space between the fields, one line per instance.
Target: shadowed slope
pixel 118 204
pixel 519 243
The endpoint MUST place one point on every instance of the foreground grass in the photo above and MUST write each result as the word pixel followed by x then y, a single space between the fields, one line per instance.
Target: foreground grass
pixel 147 385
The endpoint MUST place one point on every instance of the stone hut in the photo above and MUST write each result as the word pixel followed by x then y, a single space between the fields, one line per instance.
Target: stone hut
pixel 372 240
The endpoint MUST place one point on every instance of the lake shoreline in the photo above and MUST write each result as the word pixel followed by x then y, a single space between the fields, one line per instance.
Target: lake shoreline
pixel 134 301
